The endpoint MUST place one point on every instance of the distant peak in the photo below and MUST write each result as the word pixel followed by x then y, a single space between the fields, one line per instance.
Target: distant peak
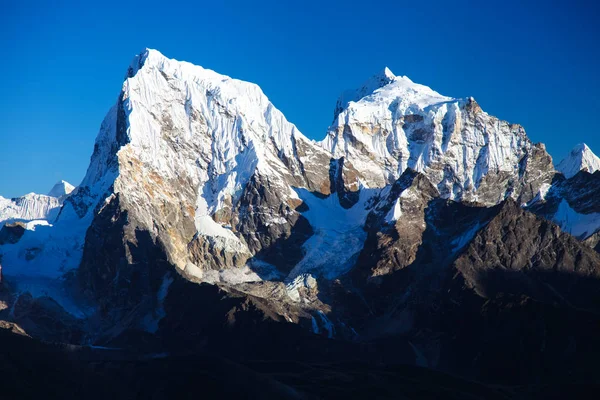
pixel 61 188
pixel 580 158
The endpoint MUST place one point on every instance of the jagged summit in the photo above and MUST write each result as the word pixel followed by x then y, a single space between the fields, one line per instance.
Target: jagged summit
pixel 375 82
pixel 390 124
pixel 385 88
pixel 580 158
pixel 61 188
pixel 388 73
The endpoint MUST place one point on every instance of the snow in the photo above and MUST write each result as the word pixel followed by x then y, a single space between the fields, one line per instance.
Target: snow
pixel 150 323
pixel 61 188
pixel 401 124
pixel 394 213
pixel 544 188
pixel 580 158
pixel 327 325
pixel 375 82
pixel 30 207
pixel 192 138
pixel 540 196
pixel 315 327
pixel 465 238
pixel 252 271
pixel 189 124
pixel 581 226
pixel 232 275
pixel 338 234
pixel 293 287
pixel 42 286
pixel 208 227
pixel 48 251
pixel 37 222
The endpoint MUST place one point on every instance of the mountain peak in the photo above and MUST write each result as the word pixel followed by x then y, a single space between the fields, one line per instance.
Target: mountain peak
pixel 377 81
pixel 387 74
pixel 145 56
pixel 580 158
pixel 61 188
pixel 385 88
pixel 580 148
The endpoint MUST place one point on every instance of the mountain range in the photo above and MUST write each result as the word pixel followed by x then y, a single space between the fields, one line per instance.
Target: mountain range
pixel 421 231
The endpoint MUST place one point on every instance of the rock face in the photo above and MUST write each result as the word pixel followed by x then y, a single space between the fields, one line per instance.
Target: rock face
pixel 517 266
pixel 207 219
pixel 12 232
pixel 521 254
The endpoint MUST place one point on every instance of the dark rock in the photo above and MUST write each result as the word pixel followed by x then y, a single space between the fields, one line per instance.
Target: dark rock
pixel 12 232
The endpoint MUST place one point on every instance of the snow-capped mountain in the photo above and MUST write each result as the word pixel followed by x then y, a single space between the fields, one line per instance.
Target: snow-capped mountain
pixel 196 176
pixel 215 173
pixel 581 158
pixel 61 189
pixel 30 207
pixel 391 124
pixel 181 149
pixel 33 206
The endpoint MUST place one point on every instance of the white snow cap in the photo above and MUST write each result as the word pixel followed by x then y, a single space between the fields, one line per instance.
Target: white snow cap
pixel 581 158
pixel 60 189
pixel 385 87
pixel 375 82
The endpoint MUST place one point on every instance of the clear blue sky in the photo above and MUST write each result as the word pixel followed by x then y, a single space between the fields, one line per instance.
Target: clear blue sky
pixel 63 63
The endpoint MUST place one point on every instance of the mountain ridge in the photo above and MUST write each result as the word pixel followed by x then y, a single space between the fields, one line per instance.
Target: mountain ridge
pixel 198 181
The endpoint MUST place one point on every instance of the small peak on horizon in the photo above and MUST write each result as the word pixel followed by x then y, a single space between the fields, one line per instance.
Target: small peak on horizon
pixel 61 188
pixel 580 158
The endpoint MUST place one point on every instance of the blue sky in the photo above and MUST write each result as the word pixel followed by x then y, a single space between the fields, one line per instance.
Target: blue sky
pixel 63 64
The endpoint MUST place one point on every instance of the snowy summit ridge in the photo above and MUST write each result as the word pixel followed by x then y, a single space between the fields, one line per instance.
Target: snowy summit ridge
pixel 580 158
pixel 377 81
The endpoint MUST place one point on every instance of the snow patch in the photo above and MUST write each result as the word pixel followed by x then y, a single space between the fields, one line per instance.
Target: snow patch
pixel 394 213
pixel 30 226
pixel 466 237
pixel 338 234
pixel 301 281
pixel 581 226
